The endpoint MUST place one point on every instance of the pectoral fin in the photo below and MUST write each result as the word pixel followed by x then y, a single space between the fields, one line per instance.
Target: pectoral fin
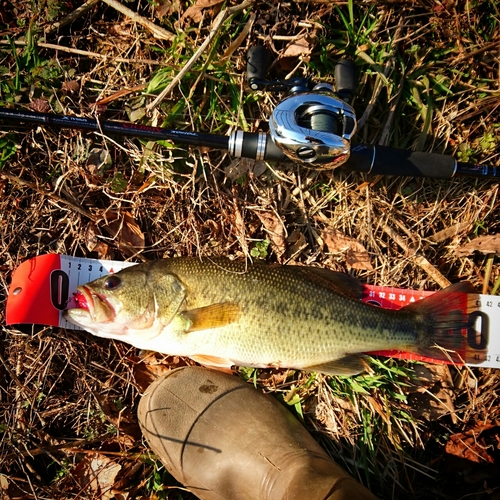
pixel 349 365
pixel 213 316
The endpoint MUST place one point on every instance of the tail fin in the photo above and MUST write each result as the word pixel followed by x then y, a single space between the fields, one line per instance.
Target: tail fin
pixel 445 325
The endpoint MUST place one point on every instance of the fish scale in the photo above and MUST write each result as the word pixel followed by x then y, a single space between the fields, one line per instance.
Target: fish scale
pixel 223 313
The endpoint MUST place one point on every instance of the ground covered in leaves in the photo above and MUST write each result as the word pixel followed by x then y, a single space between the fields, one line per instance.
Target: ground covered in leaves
pixel 429 80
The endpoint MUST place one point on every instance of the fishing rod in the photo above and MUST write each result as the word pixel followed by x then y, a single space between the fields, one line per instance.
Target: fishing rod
pixel 314 127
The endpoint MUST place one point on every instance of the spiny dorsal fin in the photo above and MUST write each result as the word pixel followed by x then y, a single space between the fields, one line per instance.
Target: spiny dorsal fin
pixel 212 316
pixel 349 365
pixel 336 281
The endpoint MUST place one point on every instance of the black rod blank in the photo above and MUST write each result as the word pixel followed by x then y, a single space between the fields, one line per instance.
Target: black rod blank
pixel 376 160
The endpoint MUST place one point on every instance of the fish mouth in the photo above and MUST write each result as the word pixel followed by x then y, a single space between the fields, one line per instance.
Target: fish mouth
pixel 96 306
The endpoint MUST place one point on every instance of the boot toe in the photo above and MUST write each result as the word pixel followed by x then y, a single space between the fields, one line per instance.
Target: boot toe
pixel 223 439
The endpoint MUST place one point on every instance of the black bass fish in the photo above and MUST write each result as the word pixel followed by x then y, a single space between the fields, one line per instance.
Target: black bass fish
pixel 223 313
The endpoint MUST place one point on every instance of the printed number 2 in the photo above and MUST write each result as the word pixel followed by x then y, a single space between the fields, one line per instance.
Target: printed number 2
pixel 59 289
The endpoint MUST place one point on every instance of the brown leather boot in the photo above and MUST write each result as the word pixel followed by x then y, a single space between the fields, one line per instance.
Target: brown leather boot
pixel 223 439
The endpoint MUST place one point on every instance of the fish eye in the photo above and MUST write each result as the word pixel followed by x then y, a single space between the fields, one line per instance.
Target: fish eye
pixel 112 282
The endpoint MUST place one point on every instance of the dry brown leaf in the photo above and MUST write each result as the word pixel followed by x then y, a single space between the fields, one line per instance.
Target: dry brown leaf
pixel 489 243
pixel 125 232
pixel 166 7
pixel 194 12
pixel 99 161
pixel 123 419
pixel 237 168
pixel 296 243
pixel 242 166
pixel 431 395
pixel 150 366
pixel 4 483
pixel 239 227
pixel 40 105
pixel 472 445
pixel 94 244
pixel 300 47
pixel 355 254
pixel 70 86
pixel 145 374
pixel 97 473
pixel 275 229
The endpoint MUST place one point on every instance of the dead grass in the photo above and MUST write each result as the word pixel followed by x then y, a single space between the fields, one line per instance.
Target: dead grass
pixel 68 399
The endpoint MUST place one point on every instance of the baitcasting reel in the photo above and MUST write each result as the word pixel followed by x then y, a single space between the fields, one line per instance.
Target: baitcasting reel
pixel 315 124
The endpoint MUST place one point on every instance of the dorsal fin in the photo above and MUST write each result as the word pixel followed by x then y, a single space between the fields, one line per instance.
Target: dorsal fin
pixel 336 281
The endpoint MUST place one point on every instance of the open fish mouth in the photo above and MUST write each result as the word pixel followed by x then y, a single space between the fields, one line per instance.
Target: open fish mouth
pixel 94 305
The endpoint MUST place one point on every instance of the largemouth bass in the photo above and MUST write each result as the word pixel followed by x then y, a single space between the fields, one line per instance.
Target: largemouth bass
pixel 222 313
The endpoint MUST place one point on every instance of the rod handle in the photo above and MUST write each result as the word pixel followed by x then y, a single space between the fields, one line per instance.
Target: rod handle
pixel 382 160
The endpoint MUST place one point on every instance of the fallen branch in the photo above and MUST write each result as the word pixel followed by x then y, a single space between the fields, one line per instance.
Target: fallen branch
pixel 70 50
pixel 157 31
pixel 72 16
pixel 418 258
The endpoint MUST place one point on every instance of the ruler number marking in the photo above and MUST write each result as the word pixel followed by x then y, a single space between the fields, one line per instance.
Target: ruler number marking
pixel 59 289
pixel 478 338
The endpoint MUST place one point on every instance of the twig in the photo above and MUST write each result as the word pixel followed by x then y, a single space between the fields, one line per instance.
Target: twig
pixel 119 94
pixel 419 259
pixel 489 46
pixel 72 15
pixel 379 85
pixel 219 20
pixel 487 272
pixel 108 58
pixel 239 40
pixel 13 376
pixel 157 31
pixel 71 446
pixel 45 192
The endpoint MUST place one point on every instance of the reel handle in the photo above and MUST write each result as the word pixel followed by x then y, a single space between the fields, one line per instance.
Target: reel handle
pixel 346 79
pixel 258 62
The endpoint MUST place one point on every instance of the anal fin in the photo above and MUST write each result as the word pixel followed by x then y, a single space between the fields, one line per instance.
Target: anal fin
pixel 349 365
pixel 220 364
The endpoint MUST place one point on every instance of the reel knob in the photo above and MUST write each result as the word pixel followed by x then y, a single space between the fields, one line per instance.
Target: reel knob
pixel 258 61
